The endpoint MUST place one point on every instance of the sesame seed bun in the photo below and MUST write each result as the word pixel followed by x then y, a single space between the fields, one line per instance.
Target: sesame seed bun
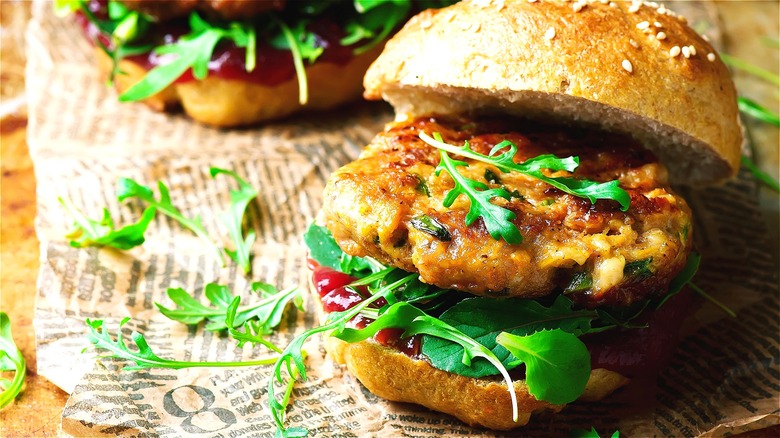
pixel 228 103
pixel 625 67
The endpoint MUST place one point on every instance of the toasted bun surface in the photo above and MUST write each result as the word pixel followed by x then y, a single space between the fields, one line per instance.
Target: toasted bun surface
pixel 229 103
pixel 395 376
pixel 613 66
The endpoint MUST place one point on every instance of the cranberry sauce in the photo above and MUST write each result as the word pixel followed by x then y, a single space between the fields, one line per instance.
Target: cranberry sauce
pixel 273 66
pixel 336 297
pixel 644 351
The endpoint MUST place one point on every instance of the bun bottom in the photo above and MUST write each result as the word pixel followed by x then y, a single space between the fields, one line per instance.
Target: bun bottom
pixel 485 402
pixel 229 103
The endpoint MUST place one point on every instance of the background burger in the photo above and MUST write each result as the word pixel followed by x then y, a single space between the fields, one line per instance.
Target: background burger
pixel 466 261
pixel 238 62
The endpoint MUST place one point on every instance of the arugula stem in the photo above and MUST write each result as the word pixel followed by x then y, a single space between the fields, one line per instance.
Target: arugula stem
pixel 712 299
pixel 79 217
pixel 300 70
pixel 760 175
pixel 753 109
pixel 750 68
pixel 10 352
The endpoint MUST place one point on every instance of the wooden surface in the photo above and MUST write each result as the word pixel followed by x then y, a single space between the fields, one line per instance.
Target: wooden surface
pixel 37 411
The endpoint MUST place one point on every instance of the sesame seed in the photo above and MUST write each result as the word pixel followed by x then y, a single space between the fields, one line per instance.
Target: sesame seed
pixel 627 66
pixel 633 44
pixel 674 51
pixel 686 51
pixel 578 6
pixel 705 38
pixel 550 34
pixel 604 2
pixel 643 25
pixel 693 50
pixel 612 4
pixel 662 10
pixel 425 24
pixel 660 36
pixel 634 8
pixel 658 24
pixel 711 57
pixel 531 1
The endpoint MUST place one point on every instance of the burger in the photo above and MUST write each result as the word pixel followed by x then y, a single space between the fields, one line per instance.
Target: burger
pixel 511 243
pixel 238 62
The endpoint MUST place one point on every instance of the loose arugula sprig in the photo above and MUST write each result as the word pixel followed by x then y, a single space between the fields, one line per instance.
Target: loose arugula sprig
pixel 292 358
pixel 592 433
pixel 532 167
pixel 267 313
pixel 127 188
pixel 234 218
pixel 144 357
pixel 89 232
pixel 11 359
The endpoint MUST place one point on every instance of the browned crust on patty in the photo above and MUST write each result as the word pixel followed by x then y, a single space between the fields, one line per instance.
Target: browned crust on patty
pixel 369 205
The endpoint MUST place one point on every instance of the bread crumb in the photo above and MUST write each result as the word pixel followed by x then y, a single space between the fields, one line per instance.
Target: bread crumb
pixel 627 66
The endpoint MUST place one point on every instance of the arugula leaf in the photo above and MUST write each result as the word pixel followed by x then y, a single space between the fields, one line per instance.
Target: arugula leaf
pixel 292 358
pixel 753 109
pixel 192 51
pixel 142 354
pixel 592 433
pixel 326 252
pixel 267 312
pixel 89 232
pixel 431 226
pixel 377 19
pixel 234 218
pixel 482 319
pixel 759 174
pixel 497 219
pixel 750 68
pixel 557 363
pixel 127 188
pixel 11 359
pixel 684 277
pixel 414 321
pixel 582 188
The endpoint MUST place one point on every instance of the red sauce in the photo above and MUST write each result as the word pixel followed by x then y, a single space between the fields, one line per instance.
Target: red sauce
pixel 272 67
pixel 644 351
pixel 335 297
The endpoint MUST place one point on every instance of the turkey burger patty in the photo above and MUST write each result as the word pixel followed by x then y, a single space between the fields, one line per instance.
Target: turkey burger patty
pixel 388 205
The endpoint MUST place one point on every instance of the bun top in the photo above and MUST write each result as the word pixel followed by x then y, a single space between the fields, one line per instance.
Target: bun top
pixel 627 67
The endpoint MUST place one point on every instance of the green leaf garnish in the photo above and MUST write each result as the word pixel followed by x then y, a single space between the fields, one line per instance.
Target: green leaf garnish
pixel 326 252
pixel 504 161
pixel 11 359
pixel 414 321
pixel 266 313
pixel 89 232
pixel 483 319
pixel 750 68
pixel 592 433
pixel 127 188
pixel 143 356
pixel 234 218
pixel 497 219
pixel 297 49
pixel 759 174
pixel 192 51
pixel 753 109
pixel 557 363
pixel 292 358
